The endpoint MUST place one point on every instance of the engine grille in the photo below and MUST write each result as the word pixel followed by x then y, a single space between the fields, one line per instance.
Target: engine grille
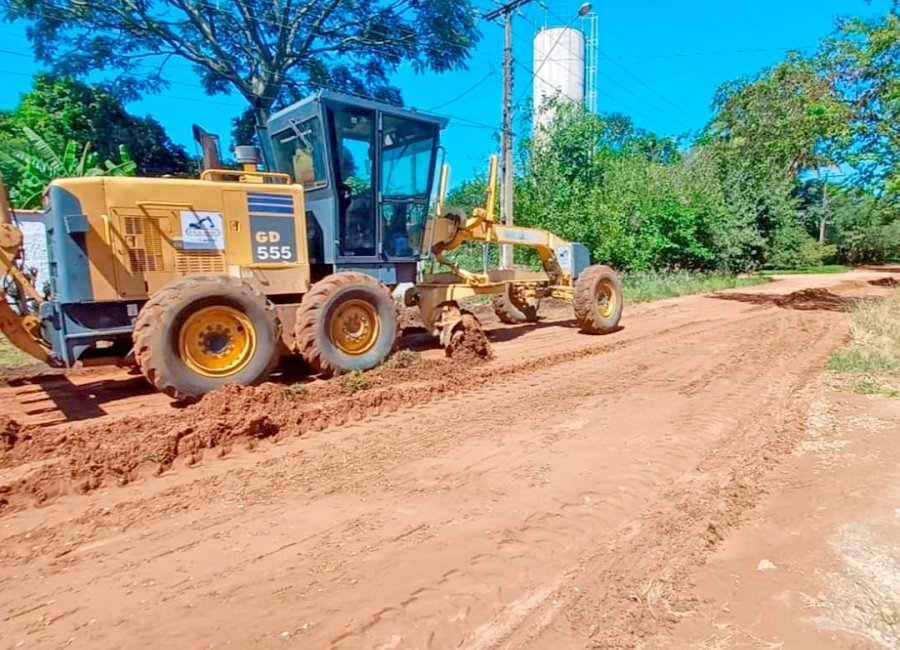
pixel 199 262
pixel 149 257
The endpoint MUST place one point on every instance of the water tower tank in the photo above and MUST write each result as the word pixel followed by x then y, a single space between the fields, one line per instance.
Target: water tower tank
pixel 558 66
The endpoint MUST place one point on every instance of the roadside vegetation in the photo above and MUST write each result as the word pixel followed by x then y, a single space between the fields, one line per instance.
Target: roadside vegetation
pixel 655 285
pixel 870 362
pixel 798 169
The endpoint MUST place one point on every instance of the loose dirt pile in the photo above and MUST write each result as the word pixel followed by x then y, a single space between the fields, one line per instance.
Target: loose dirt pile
pixel 814 299
pixel 55 460
pixel 884 282
pixel 468 341
pixel 409 318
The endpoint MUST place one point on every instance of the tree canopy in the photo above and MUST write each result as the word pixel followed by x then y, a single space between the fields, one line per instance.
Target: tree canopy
pixel 61 109
pixel 268 51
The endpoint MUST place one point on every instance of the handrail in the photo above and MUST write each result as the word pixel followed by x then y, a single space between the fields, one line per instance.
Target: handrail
pixel 208 173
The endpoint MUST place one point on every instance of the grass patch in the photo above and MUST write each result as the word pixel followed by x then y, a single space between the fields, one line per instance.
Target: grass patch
pixel 10 355
pixel 804 270
pixel 870 386
pixel 655 285
pixel 870 362
pixel 355 381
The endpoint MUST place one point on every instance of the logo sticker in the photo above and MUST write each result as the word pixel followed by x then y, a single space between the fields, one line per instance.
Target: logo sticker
pixel 202 231
pixel 564 257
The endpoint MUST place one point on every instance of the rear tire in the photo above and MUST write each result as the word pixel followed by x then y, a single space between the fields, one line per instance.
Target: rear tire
pixel 199 333
pixel 513 311
pixel 598 300
pixel 346 322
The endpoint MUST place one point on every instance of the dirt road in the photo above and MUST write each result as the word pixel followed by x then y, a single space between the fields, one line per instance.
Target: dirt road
pixel 561 496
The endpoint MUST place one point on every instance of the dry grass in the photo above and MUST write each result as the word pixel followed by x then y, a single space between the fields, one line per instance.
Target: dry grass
pixel 11 355
pixel 870 363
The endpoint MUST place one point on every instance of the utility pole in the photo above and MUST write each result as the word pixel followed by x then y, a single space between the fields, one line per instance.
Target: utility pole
pixel 825 209
pixel 506 135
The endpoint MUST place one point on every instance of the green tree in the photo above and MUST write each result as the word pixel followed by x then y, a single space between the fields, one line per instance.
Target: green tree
pixel 627 194
pixel 63 109
pixel 768 132
pixel 862 61
pixel 39 163
pixel 866 227
pixel 267 51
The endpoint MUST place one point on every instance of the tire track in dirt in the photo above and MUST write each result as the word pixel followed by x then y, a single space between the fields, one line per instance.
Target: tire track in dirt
pixel 466 519
pixel 543 537
pixel 534 534
pixel 640 581
pixel 232 417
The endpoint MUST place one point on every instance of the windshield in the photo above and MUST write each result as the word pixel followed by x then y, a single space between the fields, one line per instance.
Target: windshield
pixel 299 152
pixel 407 153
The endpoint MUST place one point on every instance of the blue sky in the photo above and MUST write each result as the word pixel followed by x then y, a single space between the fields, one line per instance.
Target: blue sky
pixel 660 62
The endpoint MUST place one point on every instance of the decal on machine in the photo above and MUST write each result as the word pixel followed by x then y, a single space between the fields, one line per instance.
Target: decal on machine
pixel 202 231
pixel 274 239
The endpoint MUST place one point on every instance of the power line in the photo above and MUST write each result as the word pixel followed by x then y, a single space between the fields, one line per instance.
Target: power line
pixel 631 109
pixel 645 85
pixel 655 107
pixel 463 93
pixel 669 55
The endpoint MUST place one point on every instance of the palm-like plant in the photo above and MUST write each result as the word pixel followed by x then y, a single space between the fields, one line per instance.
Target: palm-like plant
pixel 38 164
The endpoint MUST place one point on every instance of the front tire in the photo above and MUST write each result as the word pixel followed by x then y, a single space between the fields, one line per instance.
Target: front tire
pixel 346 322
pixel 199 333
pixel 513 311
pixel 598 300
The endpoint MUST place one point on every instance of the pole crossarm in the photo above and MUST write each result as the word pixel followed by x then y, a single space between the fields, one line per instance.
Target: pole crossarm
pixel 505 9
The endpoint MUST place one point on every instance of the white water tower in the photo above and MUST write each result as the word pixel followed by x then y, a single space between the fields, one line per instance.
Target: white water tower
pixel 559 68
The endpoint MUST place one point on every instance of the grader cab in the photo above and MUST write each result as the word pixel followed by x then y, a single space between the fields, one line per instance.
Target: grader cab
pixel 203 282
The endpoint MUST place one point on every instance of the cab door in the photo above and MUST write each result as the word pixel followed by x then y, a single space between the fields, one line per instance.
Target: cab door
pixel 353 130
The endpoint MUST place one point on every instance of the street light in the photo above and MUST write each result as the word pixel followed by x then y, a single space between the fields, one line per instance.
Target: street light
pixel 506 185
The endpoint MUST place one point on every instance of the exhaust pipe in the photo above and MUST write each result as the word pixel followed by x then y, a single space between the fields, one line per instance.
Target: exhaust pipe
pixel 5 211
pixel 209 145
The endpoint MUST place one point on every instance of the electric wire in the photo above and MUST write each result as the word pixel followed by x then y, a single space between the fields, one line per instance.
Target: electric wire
pixel 643 83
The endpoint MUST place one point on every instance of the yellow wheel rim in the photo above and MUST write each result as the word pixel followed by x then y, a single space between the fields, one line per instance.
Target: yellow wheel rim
pixel 217 341
pixel 355 327
pixel 606 299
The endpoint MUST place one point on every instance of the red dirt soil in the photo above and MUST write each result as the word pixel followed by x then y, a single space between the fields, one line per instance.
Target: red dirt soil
pixel 562 495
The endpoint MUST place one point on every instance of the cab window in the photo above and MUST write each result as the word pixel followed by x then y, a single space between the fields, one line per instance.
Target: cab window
pixel 299 152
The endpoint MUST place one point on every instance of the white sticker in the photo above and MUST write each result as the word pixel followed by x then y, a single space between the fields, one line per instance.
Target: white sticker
pixel 564 257
pixel 202 231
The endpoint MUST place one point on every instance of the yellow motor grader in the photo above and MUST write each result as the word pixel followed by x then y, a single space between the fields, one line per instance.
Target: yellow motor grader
pixel 208 281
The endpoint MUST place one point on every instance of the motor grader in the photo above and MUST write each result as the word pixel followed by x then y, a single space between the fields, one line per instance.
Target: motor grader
pixel 208 281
